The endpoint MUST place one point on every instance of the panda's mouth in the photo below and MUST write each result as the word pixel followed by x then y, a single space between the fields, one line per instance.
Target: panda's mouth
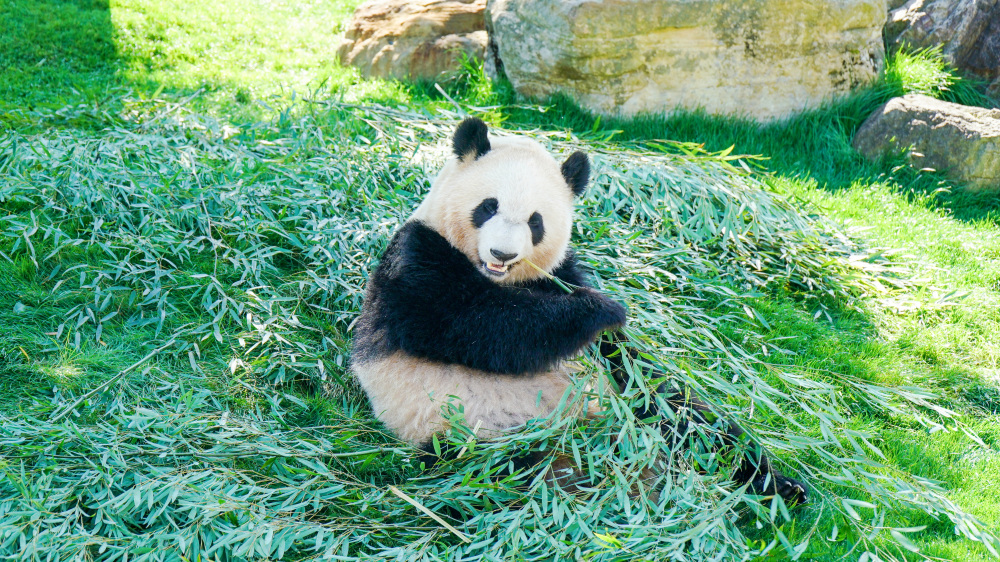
pixel 496 269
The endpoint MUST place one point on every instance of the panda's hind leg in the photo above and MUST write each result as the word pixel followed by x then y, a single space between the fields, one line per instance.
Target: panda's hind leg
pixel 753 468
pixel 753 465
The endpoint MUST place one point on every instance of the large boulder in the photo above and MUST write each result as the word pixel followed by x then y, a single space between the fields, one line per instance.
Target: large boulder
pixel 962 141
pixel 762 58
pixel 413 39
pixel 968 31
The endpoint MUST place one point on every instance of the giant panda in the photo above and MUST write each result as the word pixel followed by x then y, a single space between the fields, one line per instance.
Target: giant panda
pixel 455 311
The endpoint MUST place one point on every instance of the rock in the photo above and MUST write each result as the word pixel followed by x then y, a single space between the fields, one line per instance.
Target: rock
pixel 984 59
pixel 968 31
pixel 962 141
pixel 763 58
pixel 420 39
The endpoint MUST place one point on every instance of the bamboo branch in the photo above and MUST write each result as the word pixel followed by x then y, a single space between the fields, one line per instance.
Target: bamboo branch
pixel 110 381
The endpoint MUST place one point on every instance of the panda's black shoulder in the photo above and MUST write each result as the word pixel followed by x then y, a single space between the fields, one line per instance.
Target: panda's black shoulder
pixel 418 261
pixel 425 258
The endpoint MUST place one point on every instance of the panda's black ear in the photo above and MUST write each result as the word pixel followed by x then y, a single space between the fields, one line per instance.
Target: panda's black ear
pixel 470 137
pixel 576 170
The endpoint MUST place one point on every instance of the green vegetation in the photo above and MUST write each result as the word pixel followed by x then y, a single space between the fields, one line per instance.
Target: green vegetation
pixel 191 196
pixel 228 55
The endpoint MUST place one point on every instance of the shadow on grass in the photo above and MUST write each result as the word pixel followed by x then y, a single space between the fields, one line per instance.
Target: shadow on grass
pixel 52 52
pixel 849 344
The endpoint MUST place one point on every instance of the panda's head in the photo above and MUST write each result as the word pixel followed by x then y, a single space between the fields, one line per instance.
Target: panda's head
pixel 502 201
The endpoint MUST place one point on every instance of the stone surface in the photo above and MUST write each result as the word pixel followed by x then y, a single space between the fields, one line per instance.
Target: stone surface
pixel 419 39
pixel 968 31
pixel 763 58
pixel 961 141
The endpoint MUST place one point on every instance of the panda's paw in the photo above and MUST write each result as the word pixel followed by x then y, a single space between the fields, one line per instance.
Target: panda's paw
pixel 790 490
pixel 606 313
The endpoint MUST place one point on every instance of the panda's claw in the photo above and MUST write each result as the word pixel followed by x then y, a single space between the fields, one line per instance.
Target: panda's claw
pixel 790 490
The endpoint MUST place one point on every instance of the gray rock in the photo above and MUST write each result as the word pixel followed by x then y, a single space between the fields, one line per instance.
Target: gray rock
pixel 961 141
pixel 968 31
pixel 762 58
pixel 415 39
pixel 984 59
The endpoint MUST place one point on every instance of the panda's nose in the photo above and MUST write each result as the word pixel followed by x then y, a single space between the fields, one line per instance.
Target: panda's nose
pixel 502 256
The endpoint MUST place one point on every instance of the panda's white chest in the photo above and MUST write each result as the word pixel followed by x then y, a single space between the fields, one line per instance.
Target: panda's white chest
pixel 408 393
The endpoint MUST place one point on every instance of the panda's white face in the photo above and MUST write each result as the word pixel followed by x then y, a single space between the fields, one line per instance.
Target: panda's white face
pixel 511 225
pixel 509 205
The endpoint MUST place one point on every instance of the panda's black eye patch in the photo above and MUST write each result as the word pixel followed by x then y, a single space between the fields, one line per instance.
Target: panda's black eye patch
pixel 537 228
pixel 485 211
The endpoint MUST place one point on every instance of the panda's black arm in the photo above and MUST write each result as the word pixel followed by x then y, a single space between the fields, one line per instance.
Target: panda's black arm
pixel 521 333
pixel 432 302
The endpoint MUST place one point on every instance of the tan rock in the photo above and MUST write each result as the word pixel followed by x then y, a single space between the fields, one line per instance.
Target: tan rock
pixel 962 141
pixel 764 58
pixel 420 39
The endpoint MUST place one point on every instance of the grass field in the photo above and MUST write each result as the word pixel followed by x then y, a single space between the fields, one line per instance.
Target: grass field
pixel 191 195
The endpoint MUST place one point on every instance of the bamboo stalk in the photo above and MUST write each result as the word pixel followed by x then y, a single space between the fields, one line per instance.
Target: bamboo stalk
pixel 562 284
pixel 429 513
pixel 110 381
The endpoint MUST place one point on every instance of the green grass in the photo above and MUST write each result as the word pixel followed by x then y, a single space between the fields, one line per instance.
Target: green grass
pixel 164 185
pixel 235 55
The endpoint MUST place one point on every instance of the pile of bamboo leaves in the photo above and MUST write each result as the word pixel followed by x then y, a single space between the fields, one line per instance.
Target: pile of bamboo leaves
pixel 233 261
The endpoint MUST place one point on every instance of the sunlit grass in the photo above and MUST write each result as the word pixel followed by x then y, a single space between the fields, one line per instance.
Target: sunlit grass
pixel 926 72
